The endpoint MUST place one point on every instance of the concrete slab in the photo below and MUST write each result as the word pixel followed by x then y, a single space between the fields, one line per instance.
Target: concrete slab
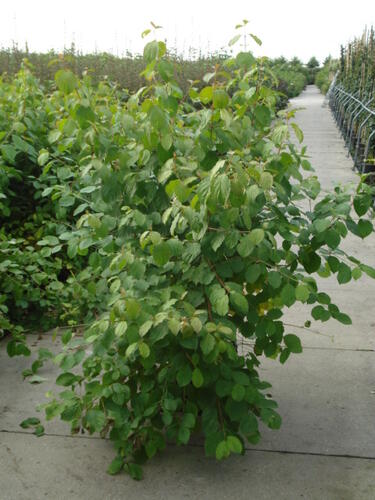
pixel 73 469
pixel 327 401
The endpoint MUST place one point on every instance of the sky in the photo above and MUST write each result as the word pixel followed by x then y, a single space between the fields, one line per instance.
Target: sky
pixel 286 27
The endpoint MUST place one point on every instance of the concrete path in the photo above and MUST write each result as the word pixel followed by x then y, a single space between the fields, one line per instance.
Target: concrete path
pixel 325 449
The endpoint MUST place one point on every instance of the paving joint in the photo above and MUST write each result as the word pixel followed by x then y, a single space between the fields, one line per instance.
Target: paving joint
pixel 197 445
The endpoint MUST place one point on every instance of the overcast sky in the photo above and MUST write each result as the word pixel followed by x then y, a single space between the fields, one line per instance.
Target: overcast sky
pixel 287 27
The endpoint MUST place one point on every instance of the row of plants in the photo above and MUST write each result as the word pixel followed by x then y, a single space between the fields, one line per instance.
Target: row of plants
pixel 155 228
pixel 357 64
pixel 355 68
pixel 288 77
pixel 292 78
pixel 326 74
pixel 356 75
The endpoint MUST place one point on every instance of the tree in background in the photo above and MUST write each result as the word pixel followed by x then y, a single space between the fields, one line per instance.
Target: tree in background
pixel 313 68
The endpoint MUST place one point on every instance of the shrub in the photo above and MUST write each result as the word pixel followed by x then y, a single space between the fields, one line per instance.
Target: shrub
pixel 194 230
pixel 325 75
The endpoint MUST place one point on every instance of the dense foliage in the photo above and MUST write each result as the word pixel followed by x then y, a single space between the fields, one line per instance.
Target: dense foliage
pixel 125 70
pixel 357 64
pixel 312 67
pixel 326 74
pixel 291 78
pixel 288 77
pixel 169 227
pixel 356 76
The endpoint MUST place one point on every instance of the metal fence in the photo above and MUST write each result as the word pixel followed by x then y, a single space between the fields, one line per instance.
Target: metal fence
pixel 356 121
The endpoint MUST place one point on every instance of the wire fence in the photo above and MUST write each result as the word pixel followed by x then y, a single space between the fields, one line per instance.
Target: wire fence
pixel 356 120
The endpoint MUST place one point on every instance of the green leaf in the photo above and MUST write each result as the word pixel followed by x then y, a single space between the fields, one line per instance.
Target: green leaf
pixel 302 292
pixel 344 275
pixel 252 273
pixel 207 344
pixel 361 204
pixel 222 450
pixel 115 466
pixel 220 99
pixel 238 392
pixel 29 422
pixel 144 350
pixel 121 328
pixel 262 115
pixel 217 241
pixel 332 238
pixel 333 263
pixel 158 119
pixel 257 40
pixel 234 40
pixel 288 295
pixel 170 404
pixel 285 353
pixel 133 308
pixel 256 236
pixel 364 228
pixel 356 273
pixel 343 318
pixel 323 298
pixel 95 420
pixel 174 325
pixel 319 313
pixel 9 153
pixel 239 302
pixel 179 189
pixel 43 157
pixel 370 271
pixel 245 246
pixel 39 431
pixel 145 328
pixel 293 343
pixel 65 81
pixel 245 59
pixel 188 420
pixel 310 260
pixel 266 180
pixel 161 253
pixel 249 424
pixel 151 51
pixel 37 379
pixel 184 376
pixel 166 141
pixel 206 95
pixel 150 448
pixel 221 188
pixel 196 324
pixel 298 132
pixel 197 378
pixel 183 435
pixel 219 301
pixel 321 225
pixel 66 336
pixel 66 379
pixel 67 201
pixel 166 70
pixel 274 279
pixel 134 470
pixel 234 444
pixel 84 115
pixel 145 33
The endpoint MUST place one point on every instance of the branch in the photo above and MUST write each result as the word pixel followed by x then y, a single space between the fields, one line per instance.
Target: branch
pixel 212 267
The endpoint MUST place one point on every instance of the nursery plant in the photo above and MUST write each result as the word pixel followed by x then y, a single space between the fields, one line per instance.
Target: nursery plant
pixel 195 221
